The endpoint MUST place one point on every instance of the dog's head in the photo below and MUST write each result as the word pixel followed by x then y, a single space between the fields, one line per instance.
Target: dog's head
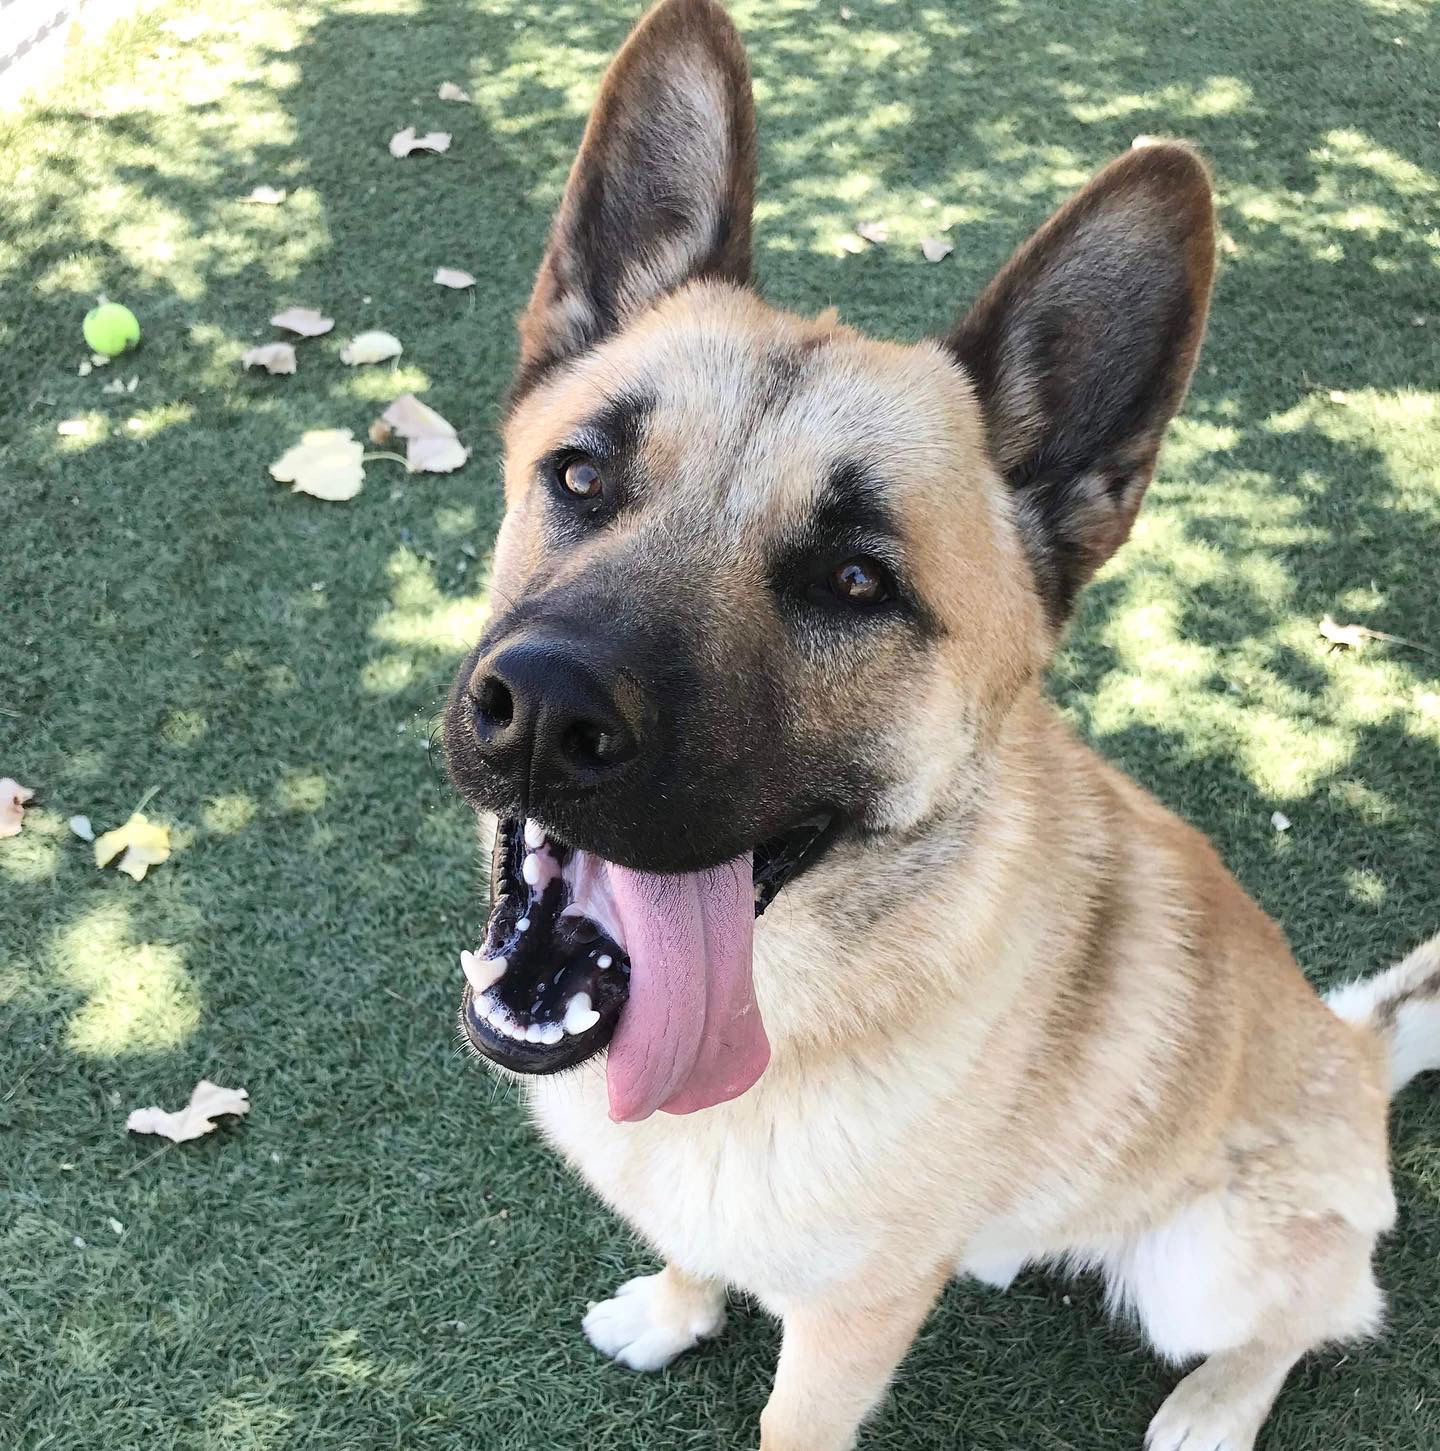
pixel 764 584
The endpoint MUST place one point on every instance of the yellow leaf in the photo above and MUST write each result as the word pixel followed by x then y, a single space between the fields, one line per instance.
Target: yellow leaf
pixel 402 143
pixel 143 844
pixel 273 357
pixel 208 1102
pixel 303 320
pixel 433 447
pixel 371 347
pixel 453 277
pixel 449 91
pixel 327 462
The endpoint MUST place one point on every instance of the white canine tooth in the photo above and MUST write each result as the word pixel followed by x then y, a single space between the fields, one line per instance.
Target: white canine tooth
pixel 534 834
pixel 604 960
pixel 580 1017
pixel 523 924
pixel 550 1034
pixel 530 869
pixel 482 973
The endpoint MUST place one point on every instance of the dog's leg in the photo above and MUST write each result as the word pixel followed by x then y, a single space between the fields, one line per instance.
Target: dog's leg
pixel 653 1319
pixel 1221 1405
pixel 836 1360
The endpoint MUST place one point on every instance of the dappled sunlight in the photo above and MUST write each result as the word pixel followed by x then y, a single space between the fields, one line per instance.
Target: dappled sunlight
pixel 420 615
pixel 34 855
pixel 229 814
pixel 138 995
pixel 302 791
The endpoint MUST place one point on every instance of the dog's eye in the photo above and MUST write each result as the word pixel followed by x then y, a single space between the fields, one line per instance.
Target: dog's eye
pixel 582 479
pixel 860 580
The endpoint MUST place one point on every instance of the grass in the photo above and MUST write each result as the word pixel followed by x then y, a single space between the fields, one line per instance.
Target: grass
pixel 382 1256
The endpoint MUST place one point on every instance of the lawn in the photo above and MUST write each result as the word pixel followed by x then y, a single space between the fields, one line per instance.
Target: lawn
pixel 381 1255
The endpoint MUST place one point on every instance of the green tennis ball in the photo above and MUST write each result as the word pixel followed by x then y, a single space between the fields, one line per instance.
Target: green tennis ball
pixel 111 329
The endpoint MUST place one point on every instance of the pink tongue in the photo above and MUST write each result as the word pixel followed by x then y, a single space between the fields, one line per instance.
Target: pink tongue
pixel 690 1035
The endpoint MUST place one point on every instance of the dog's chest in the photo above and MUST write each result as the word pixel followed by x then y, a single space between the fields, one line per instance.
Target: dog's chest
pixel 786 1191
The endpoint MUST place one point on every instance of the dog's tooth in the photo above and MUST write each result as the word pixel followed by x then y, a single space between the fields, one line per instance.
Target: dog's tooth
pixel 535 1033
pixel 530 869
pixel 482 973
pixel 580 1017
pixel 534 835
pixel 550 1034
pixel 523 925
pixel 604 960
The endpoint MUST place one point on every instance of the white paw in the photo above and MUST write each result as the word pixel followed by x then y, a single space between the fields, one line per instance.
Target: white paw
pixel 647 1324
pixel 1193 1420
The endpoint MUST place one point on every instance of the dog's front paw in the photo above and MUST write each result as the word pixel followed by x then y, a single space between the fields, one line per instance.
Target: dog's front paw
pixel 653 1319
pixel 1196 1420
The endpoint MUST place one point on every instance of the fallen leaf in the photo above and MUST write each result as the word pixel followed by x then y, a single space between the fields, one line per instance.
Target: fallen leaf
pixel 143 843
pixel 402 143
pixel 1352 637
pixel 266 196
pixel 114 1225
pixel 86 368
pixel 453 277
pixel 449 91
pixel 80 825
pixel 303 320
pixel 875 232
pixel 849 242
pixel 936 249
pixel 1280 821
pixel 273 357
pixel 13 797
pixel 1143 140
pixel 327 462
pixel 433 446
pixel 372 347
pixel 380 432
pixel 207 1103
pixel 435 455
pixel 122 385
pixel 71 427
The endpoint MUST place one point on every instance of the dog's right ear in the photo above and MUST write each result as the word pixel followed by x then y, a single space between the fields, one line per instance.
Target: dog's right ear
pixel 661 192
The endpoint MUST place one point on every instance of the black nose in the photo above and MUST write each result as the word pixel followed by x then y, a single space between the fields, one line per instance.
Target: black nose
pixel 543 711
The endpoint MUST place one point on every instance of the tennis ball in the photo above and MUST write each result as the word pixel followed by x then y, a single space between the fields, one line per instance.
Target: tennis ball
pixel 111 329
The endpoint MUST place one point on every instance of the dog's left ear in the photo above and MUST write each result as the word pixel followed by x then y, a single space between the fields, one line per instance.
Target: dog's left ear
pixel 1081 350
pixel 661 192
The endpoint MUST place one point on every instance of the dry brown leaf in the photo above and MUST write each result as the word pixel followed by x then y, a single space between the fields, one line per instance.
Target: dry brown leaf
pixel 371 347
pixel 143 842
pixel 303 320
pixel 208 1102
pixel 936 249
pixel 876 233
pixel 266 196
pixel 453 277
pixel 380 432
pixel 327 462
pixel 449 91
pixel 13 797
pixel 1280 821
pixel 433 446
pixel 273 357
pixel 402 143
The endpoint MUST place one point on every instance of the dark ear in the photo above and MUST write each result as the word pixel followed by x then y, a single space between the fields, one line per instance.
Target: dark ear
pixel 661 192
pixel 1081 351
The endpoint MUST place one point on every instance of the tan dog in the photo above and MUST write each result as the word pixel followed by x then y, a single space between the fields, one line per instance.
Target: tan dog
pixel 774 602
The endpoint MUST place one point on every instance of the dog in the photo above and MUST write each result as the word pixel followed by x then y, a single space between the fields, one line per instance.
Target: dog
pixel 894 978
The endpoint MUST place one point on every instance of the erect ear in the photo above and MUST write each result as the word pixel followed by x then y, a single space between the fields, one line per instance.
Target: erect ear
pixel 1081 350
pixel 661 192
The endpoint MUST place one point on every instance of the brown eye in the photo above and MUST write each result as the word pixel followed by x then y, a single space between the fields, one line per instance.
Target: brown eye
pixel 582 479
pixel 859 579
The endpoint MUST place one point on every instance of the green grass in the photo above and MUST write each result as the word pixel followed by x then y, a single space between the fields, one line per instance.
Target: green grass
pixel 172 618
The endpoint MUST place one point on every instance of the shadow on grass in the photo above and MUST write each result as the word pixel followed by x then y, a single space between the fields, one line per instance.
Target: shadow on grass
pixel 272 662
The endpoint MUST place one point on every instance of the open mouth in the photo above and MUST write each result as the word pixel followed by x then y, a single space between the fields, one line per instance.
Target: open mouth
pixel 580 954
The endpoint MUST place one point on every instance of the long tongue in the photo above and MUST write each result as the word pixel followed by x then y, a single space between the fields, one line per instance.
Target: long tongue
pixel 690 1036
